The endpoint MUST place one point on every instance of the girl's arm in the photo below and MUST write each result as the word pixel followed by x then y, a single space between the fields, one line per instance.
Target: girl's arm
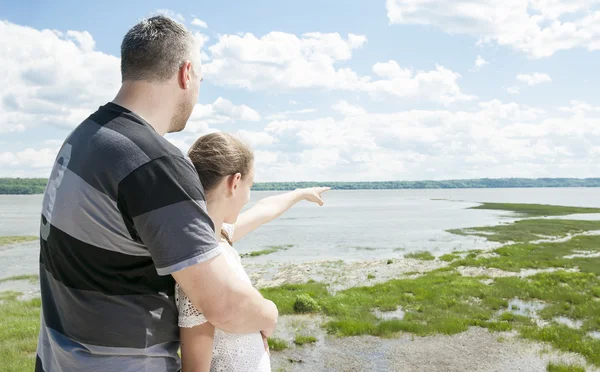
pixel 197 347
pixel 272 207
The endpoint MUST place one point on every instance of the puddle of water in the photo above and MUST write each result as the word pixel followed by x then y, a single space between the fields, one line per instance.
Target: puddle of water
pixel 571 323
pixel 525 308
pixel 594 334
pixel 397 314
pixel 583 254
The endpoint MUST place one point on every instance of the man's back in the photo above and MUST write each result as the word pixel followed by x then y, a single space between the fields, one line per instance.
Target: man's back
pixel 105 306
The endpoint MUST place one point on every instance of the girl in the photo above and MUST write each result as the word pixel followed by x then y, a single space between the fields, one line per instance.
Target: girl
pixel 226 170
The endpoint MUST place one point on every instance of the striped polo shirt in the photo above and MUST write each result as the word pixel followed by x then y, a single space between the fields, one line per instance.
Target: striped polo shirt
pixel 123 210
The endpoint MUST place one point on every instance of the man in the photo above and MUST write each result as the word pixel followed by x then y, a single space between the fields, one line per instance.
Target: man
pixel 124 214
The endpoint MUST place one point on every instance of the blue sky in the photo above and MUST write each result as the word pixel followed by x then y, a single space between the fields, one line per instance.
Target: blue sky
pixel 331 90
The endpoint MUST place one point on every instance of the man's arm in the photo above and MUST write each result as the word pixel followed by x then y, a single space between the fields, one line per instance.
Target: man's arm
pixel 227 302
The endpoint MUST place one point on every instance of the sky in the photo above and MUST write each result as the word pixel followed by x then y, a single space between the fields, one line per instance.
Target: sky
pixel 330 90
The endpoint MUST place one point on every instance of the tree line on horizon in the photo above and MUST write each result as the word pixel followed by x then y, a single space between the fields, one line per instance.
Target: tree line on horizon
pixel 30 186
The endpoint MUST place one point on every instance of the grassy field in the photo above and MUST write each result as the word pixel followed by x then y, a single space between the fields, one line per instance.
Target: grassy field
pixel 439 302
pixel 19 327
pixel 445 302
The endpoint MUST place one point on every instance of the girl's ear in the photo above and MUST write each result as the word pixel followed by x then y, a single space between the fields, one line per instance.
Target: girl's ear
pixel 233 182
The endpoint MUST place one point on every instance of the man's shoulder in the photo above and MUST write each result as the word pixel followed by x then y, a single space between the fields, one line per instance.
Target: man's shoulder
pixel 129 129
pixel 107 147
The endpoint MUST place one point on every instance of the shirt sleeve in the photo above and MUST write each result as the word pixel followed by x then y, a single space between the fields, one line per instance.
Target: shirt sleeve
pixel 164 201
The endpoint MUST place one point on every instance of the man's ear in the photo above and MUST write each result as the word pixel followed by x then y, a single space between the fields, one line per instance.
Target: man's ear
pixel 184 75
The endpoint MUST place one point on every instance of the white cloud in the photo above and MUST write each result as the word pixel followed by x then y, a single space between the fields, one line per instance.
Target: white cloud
pixel 221 111
pixel 439 85
pixel 480 62
pixel 534 79
pixel 199 23
pixel 495 139
pixel 84 39
pixel 169 13
pixel 28 162
pixel 286 114
pixel 256 139
pixel 201 39
pixel 345 108
pixel 491 139
pixel 538 28
pixel 280 61
pixel 580 108
pixel 513 90
pixel 51 78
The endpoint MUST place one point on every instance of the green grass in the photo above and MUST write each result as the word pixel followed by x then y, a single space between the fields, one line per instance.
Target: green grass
pixel 5 240
pixel 444 302
pixel 422 255
pixel 19 328
pixel 370 276
pixel 561 367
pixel 524 231
pixel 277 344
pixel 303 339
pixel 285 295
pixel 268 250
pixel 540 256
pixel 536 210
pixel 449 257
pixel 31 278
pixel 566 339
pixel 305 304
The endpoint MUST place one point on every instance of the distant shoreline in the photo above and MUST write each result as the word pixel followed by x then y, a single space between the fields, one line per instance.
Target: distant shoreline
pixel 33 186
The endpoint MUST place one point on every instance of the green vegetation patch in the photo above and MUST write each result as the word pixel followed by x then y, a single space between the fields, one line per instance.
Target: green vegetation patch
pixel 536 210
pixel 520 256
pixel 23 186
pixel 304 339
pixel 562 367
pixel 449 257
pixel 304 304
pixel 277 344
pixel 31 278
pixel 566 339
pixel 268 250
pixel 19 328
pixel 421 255
pixel 5 240
pixel 445 302
pixel 524 231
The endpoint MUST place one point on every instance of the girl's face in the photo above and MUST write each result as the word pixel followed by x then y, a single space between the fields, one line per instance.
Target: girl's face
pixel 240 196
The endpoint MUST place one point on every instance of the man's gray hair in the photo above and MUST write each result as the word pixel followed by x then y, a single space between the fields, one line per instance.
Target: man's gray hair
pixel 154 49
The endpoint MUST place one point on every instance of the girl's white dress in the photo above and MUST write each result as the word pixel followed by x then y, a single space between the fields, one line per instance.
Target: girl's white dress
pixel 231 352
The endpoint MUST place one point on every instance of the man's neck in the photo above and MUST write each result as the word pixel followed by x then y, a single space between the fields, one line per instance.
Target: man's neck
pixel 147 100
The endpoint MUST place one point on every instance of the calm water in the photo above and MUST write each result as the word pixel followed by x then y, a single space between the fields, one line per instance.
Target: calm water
pixel 351 225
